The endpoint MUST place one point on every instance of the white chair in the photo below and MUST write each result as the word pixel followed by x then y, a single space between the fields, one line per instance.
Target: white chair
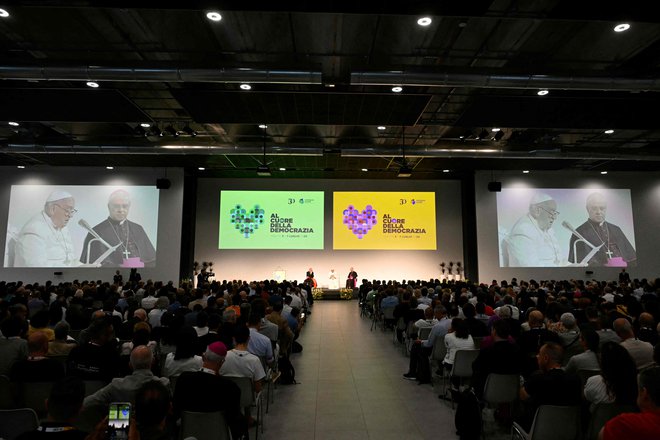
pixel 250 399
pixel 14 422
pixel 204 426
pixel 462 367
pixel 552 423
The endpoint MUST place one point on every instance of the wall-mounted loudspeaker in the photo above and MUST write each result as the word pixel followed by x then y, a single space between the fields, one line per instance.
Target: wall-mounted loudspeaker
pixel 58 274
pixel 494 186
pixel 163 183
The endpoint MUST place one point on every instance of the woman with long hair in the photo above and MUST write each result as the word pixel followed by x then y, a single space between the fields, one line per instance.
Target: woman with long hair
pixel 184 358
pixel 617 382
pixel 457 338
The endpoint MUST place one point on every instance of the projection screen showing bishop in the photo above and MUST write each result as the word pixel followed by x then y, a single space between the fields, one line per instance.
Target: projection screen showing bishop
pixel 271 220
pixel 81 226
pixel 543 227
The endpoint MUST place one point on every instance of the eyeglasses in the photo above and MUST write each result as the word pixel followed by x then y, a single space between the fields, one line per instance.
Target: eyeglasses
pixel 552 213
pixel 70 212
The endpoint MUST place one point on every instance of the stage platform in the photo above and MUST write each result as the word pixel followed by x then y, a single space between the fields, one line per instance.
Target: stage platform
pixel 331 294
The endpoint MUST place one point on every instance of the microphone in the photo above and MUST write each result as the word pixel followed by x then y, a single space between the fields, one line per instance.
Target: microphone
pixel 568 226
pixel 86 225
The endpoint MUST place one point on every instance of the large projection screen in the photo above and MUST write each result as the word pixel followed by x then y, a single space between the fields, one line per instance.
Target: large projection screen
pixel 384 220
pixel 82 226
pixel 546 227
pixel 271 220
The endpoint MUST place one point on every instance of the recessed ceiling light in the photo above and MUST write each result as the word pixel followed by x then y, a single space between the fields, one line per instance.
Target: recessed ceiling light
pixel 445 171
pixel 330 85
pixel 282 169
pixel 201 168
pixel 424 21
pixel 365 169
pixel 542 92
pixel 495 130
pixel 382 127
pixel 525 171
pixel 4 13
pixel 621 27
pixel 461 137
pixel 13 123
pixel 109 168
pixel 462 24
pixel 214 16
pixel 245 86
pixel 603 172
pixel 21 167
pixel 263 126
pixel 397 89
pixel 145 125
pixel 92 84
pixel 610 131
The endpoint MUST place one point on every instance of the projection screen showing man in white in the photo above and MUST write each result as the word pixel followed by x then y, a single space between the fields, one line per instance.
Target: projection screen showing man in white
pixel 536 227
pixel 51 226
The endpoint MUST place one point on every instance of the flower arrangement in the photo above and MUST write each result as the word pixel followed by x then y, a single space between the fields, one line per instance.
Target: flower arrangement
pixel 346 293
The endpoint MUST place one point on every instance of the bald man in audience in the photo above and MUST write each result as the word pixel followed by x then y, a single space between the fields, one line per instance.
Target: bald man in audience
pixel 640 351
pixel 123 389
pixel 37 367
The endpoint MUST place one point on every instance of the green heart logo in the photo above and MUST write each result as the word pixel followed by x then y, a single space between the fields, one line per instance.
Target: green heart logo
pixel 246 222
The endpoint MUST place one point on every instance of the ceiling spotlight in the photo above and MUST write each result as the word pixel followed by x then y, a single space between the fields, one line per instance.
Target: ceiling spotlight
pixel 483 134
pixel 461 137
pixel 13 123
pixel 201 168
pixel 404 171
pixel 21 167
pixel 621 27
pixel 92 84
pixel 282 169
pixel 424 21
pixel 330 85
pixel 525 171
pixel 603 172
pixel 171 131
pixel 4 13
pixel 382 127
pixel 245 86
pixel 189 131
pixel 610 131
pixel 397 89
pixel 145 125
pixel 214 16
pixel 109 168
pixel 263 126
pixel 542 92
pixel 495 129
pixel 445 171
pixel 499 135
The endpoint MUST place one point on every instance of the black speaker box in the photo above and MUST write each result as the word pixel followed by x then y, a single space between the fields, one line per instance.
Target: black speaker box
pixel 494 186
pixel 163 183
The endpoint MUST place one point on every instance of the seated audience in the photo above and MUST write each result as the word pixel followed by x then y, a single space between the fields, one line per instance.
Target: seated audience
pixel 587 360
pixel 240 362
pixel 639 426
pixel 617 382
pixel 457 338
pixel 12 346
pixel 184 358
pixel 37 367
pixel 640 351
pixel 63 343
pixel 63 405
pixel 97 359
pixel 219 393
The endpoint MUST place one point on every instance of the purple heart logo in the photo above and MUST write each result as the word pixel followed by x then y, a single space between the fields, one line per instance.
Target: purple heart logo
pixel 360 223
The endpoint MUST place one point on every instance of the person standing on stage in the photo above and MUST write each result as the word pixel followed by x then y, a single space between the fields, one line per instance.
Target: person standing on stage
pixel 45 240
pixel 351 280
pixel 117 229
pixel 615 245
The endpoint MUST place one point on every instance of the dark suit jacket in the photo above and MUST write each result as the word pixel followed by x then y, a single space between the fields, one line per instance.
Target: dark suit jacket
pixel 204 392
pixel 502 357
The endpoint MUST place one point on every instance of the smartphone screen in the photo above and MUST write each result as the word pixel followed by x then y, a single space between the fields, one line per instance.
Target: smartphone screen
pixel 118 419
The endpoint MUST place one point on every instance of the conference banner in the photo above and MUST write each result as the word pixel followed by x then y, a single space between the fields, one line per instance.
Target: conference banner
pixel 384 220
pixel 271 220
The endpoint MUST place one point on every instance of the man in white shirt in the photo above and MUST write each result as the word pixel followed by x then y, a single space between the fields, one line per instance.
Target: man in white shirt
pixel 240 362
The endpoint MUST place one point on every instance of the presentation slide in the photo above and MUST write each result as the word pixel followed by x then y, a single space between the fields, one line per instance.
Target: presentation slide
pixel 384 220
pixel 544 227
pixel 271 220
pixel 82 225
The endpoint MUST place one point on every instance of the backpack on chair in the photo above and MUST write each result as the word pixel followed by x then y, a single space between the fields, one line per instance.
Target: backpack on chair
pixel 468 416
pixel 287 372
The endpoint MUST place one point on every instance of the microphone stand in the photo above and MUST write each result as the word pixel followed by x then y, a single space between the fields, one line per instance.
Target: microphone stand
pixel 104 255
pixel 592 252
